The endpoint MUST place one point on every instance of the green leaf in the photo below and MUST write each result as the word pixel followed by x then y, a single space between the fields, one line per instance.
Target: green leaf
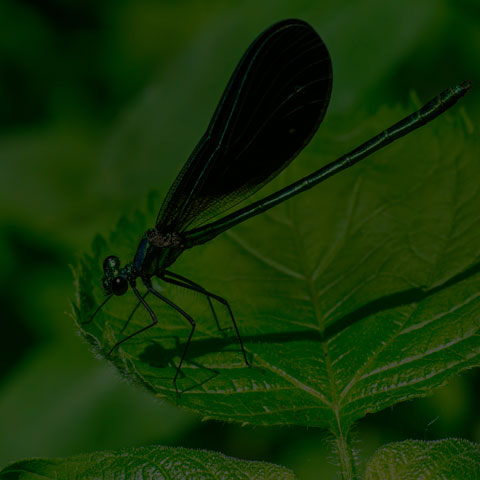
pixel 450 459
pixel 349 298
pixel 146 463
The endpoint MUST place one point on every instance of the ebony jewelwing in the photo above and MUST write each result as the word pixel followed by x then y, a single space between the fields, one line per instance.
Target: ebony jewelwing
pixel 269 111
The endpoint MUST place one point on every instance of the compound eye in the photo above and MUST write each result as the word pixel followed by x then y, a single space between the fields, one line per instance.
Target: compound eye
pixel 111 263
pixel 119 285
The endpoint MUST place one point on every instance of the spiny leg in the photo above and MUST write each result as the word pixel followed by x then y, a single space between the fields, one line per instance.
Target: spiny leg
pixel 186 316
pixel 193 284
pixel 186 283
pixel 133 312
pixel 97 310
pixel 149 310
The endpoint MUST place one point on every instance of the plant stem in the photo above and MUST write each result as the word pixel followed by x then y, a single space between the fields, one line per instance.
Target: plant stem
pixel 345 455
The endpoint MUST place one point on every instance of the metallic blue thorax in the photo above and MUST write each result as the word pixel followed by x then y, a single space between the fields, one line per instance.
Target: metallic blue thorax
pixel 138 261
pixel 151 259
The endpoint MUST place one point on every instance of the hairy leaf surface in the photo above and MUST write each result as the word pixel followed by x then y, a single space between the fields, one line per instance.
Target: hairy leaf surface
pixel 146 463
pixel 452 459
pixel 359 294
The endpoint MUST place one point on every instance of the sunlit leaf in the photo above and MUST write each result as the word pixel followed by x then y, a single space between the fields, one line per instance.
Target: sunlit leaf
pixel 146 463
pixel 359 294
pixel 450 459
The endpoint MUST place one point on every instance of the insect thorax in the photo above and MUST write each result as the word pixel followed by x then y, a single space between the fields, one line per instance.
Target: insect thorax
pixel 163 239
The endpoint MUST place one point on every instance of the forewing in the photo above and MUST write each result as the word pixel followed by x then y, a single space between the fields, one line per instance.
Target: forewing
pixel 271 108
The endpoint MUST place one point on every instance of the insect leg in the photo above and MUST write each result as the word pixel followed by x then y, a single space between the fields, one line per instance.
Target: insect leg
pixel 185 315
pixel 149 310
pixel 186 283
pixel 97 310
pixel 133 312
pixel 193 284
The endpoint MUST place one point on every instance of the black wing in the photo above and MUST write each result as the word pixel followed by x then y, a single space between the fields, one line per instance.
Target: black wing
pixel 271 108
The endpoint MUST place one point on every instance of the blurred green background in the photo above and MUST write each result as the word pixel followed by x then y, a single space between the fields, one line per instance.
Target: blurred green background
pixel 83 88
